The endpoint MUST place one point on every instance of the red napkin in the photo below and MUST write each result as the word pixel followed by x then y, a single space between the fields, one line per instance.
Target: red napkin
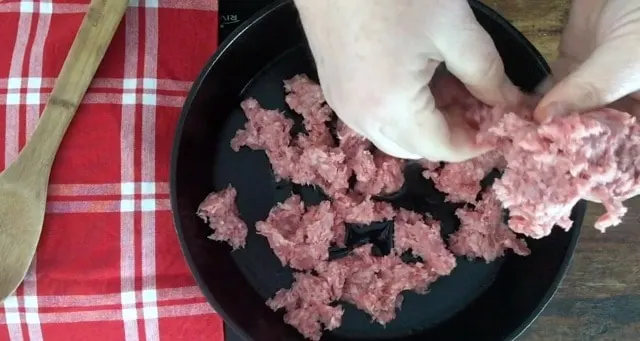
pixel 108 266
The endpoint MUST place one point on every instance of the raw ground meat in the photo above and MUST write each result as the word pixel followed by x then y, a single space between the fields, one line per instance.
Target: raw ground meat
pixel 461 180
pixel 482 232
pixel 268 130
pixel 300 238
pixel 308 305
pixel 375 284
pixel 386 176
pixel 351 172
pixel 220 211
pixel 305 98
pixel 549 167
pixel 552 166
pixel 422 236
pixel 361 210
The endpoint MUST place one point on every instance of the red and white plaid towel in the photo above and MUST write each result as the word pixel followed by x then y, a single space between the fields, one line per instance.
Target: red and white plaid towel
pixel 108 265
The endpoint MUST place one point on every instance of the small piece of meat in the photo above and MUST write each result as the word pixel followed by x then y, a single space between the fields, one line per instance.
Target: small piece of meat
pixel 358 209
pixel 454 99
pixel 325 167
pixel 422 237
pixel 351 142
pixel 552 166
pixel 375 284
pixel 387 177
pixel 308 305
pixel 305 97
pixel 299 238
pixel 266 129
pixel 220 211
pixel 461 180
pixel 483 234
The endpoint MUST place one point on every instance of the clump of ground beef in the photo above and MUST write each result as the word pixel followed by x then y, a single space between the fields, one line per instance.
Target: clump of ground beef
pixel 422 236
pixel 550 167
pixel 482 232
pixel 299 237
pixel 308 304
pixel 373 284
pixel 461 180
pixel 220 211
pixel 547 169
pixel 359 209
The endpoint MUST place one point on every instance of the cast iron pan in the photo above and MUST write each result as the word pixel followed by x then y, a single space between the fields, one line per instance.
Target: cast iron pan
pixel 478 301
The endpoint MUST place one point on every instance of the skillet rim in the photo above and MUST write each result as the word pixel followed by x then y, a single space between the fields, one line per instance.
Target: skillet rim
pixel 579 208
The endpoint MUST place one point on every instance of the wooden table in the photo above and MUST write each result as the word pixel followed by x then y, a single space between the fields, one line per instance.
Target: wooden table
pixel 600 297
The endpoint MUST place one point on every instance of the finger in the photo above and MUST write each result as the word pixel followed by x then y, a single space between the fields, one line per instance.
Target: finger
pixel 545 86
pixel 391 148
pixel 428 134
pixel 470 54
pixel 606 76
pixel 560 68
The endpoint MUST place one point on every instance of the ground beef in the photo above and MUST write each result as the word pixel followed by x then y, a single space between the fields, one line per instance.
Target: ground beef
pixel 482 232
pixel 381 174
pixel 308 305
pixel 305 98
pixel 549 167
pixel 375 284
pixel 422 236
pixel 268 130
pixel 220 211
pixel 362 210
pixel 300 238
pixel 350 141
pixel 325 167
pixel 554 165
pixel 265 129
pixel 461 180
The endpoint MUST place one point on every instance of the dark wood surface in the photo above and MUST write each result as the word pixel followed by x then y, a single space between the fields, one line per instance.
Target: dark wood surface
pixel 599 299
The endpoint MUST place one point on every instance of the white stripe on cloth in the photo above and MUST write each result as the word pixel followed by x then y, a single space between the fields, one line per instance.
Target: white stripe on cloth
pixel 12 115
pixel 103 83
pixel 32 116
pixel 63 8
pixel 30 300
pixel 83 301
pixel 12 318
pixel 12 145
pixel 35 67
pixel 128 99
pixel 129 313
pixel 120 189
pixel 181 310
pixel 148 157
pixel 127 206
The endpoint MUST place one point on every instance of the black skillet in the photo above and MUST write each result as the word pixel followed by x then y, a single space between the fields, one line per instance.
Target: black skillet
pixel 478 302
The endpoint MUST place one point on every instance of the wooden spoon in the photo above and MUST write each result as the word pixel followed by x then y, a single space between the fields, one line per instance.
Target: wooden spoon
pixel 23 185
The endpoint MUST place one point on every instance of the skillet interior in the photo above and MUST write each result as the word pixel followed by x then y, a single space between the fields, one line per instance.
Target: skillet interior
pixel 490 302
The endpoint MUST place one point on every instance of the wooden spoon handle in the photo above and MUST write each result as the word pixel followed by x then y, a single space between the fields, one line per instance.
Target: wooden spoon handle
pixel 88 48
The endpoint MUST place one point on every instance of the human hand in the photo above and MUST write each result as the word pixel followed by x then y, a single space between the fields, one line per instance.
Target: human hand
pixel 375 59
pixel 599 60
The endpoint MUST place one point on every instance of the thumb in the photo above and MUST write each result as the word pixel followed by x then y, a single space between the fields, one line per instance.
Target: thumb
pixel 470 54
pixel 605 77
